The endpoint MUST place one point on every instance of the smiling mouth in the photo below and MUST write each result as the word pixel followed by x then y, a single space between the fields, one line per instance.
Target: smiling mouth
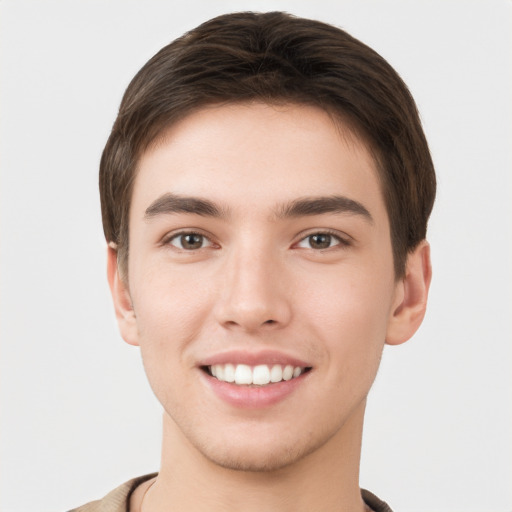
pixel 260 375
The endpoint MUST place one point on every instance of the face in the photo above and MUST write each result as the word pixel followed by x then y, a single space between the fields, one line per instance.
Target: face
pixel 261 282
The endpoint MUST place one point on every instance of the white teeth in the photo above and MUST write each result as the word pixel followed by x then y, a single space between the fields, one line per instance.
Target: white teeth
pixel 276 373
pixel 288 372
pixel 220 372
pixel 229 373
pixel 260 375
pixel 243 374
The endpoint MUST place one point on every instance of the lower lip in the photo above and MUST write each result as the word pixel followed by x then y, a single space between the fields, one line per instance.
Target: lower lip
pixel 253 397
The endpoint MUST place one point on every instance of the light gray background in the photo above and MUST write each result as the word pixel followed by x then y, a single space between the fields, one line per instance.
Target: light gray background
pixel 78 417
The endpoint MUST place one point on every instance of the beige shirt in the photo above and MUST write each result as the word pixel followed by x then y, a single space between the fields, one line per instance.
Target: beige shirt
pixel 118 500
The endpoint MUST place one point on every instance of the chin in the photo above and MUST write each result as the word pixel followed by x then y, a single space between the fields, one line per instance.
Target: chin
pixel 261 462
pixel 258 455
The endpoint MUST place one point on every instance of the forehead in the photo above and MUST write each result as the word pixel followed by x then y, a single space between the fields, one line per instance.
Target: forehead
pixel 250 156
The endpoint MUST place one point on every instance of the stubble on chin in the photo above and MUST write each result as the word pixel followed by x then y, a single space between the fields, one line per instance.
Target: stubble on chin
pixel 259 459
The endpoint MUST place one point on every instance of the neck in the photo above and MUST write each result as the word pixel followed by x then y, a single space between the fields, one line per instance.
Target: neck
pixel 326 479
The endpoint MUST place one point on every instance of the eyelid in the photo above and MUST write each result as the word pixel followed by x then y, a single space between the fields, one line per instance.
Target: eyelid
pixel 344 239
pixel 166 239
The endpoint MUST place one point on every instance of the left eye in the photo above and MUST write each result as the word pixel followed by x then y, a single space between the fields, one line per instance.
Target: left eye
pixel 319 241
pixel 189 241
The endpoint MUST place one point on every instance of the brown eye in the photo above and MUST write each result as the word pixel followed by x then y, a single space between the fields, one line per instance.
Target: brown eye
pixel 189 241
pixel 319 241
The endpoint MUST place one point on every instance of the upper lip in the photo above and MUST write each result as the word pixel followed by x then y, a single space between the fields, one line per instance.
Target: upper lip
pixel 254 358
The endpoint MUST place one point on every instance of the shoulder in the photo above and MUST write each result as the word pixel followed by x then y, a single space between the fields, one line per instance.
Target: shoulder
pixel 375 504
pixel 116 500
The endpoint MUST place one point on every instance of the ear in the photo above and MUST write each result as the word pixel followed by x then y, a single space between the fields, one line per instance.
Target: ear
pixel 411 296
pixel 122 301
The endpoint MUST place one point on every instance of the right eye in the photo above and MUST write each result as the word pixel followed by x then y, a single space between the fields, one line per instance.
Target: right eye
pixel 189 241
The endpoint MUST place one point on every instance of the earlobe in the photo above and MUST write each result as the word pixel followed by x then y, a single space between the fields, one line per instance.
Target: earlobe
pixel 122 301
pixel 411 296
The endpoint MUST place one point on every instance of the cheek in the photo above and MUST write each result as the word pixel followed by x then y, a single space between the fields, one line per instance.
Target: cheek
pixel 170 312
pixel 355 341
pixel 168 299
pixel 351 314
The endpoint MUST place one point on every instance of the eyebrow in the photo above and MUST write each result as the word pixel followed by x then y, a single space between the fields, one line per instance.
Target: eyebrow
pixel 309 206
pixel 172 203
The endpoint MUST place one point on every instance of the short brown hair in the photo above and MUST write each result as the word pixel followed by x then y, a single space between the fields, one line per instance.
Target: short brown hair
pixel 275 57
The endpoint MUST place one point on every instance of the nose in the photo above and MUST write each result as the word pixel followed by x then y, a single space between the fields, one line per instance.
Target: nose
pixel 253 293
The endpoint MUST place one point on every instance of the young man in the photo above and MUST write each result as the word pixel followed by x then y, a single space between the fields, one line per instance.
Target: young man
pixel 265 193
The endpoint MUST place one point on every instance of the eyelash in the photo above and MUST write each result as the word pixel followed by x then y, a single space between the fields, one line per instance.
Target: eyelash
pixel 341 241
pixel 177 236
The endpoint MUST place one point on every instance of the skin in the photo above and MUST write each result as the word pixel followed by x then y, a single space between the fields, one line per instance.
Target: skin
pixel 255 282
